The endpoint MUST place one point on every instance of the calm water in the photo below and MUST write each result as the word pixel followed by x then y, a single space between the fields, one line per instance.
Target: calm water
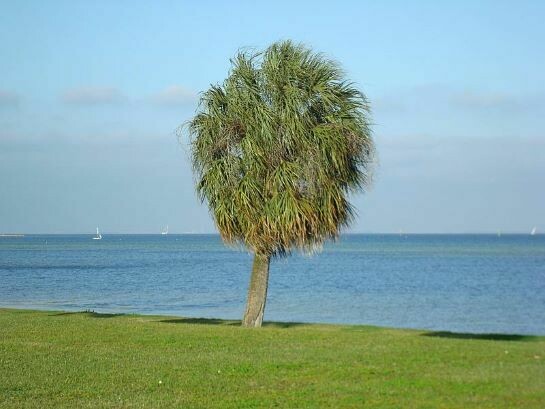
pixel 469 283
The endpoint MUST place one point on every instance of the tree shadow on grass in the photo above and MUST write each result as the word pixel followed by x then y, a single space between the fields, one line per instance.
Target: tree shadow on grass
pixel 204 321
pixel 232 323
pixel 91 314
pixel 276 324
pixel 489 337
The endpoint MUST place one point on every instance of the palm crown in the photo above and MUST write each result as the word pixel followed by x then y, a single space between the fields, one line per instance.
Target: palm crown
pixel 278 147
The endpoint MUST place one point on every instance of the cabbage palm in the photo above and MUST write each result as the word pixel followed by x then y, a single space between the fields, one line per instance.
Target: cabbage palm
pixel 276 150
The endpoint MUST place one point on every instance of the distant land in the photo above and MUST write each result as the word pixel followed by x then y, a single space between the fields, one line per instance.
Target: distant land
pixel 404 233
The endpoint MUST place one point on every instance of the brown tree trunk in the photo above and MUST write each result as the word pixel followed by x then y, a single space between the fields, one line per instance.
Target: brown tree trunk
pixel 257 292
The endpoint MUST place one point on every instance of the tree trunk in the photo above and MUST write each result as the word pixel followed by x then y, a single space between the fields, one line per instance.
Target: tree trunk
pixel 257 292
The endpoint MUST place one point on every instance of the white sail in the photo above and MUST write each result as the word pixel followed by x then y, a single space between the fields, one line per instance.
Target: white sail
pixel 98 236
pixel 165 230
pixel 534 231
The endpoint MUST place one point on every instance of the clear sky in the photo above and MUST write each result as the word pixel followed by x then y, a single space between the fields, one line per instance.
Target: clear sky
pixel 91 94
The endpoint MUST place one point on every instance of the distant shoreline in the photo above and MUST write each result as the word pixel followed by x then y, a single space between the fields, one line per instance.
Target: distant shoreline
pixel 217 234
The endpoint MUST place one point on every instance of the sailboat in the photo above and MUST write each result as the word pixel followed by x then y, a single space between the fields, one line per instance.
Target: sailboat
pixel 533 232
pixel 98 236
pixel 165 231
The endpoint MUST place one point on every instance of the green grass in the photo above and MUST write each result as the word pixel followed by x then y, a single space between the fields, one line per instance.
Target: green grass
pixel 57 360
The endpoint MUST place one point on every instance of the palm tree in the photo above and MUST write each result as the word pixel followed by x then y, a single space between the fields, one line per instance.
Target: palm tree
pixel 276 150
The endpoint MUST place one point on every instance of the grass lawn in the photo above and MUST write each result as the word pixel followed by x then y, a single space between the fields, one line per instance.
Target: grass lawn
pixel 88 360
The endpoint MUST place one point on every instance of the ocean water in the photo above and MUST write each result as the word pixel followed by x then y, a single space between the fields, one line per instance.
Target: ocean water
pixel 463 283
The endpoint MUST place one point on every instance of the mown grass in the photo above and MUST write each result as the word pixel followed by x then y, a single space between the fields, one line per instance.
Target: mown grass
pixel 89 360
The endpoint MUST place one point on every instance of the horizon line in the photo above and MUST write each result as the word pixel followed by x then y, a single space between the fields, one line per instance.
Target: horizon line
pixel 15 234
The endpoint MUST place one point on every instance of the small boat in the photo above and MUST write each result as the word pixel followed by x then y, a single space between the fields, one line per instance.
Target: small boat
pixel 533 232
pixel 165 230
pixel 98 236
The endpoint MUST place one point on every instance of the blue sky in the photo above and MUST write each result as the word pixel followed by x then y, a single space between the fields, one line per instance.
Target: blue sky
pixel 91 94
